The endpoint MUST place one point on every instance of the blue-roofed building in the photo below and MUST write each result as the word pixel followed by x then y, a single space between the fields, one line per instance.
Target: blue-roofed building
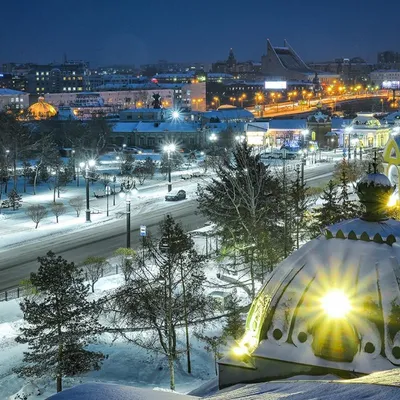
pixel 13 99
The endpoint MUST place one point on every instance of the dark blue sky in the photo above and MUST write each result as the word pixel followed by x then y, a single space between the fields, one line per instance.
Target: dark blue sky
pixel 143 31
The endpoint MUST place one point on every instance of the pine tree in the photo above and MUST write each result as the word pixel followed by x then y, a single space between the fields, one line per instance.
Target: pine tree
pixel 14 199
pixel 348 208
pixel 234 326
pixel 246 202
pixel 329 213
pixel 298 206
pixel 60 321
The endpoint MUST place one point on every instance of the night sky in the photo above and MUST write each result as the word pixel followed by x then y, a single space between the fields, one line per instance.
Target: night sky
pixel 106 32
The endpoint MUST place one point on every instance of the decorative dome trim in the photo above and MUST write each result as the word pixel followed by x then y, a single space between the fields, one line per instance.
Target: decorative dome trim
pixel 364 236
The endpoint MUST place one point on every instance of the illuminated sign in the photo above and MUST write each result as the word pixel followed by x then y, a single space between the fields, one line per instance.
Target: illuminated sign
pixel 275 84
pixel 391 84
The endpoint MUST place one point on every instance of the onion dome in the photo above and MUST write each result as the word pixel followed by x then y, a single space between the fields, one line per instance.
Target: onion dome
pixel 374 191
pixel 42 110
pixel 333 306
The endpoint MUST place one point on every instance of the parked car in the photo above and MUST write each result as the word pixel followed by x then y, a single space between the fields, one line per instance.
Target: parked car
pixel 176 195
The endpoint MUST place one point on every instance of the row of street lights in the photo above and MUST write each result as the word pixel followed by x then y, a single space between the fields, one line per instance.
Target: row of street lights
pixel 128 187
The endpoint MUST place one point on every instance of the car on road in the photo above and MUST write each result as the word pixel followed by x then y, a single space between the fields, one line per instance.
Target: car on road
pixel 176 195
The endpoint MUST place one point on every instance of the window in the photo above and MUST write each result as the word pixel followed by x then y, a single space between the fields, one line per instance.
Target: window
pixel 12 99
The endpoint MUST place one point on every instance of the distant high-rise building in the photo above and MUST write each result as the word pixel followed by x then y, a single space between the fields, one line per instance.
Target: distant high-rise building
pixel 388 57
pixel 57 78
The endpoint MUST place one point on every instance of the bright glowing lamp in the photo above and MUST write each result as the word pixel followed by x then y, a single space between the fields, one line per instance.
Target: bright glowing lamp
pixel 239 351
pixel 392 200
pixel 175 114
pixel 92 163
pixel 336 304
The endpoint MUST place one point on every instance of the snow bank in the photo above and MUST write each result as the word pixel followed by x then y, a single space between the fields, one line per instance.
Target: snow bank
pixel 29 391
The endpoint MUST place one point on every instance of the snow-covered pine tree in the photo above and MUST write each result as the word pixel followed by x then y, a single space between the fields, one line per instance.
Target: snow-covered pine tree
pixel 59 322
pixel 246 202
pixel 14 199
pixel 329 213
pixel 297 207
pixel 235 324
pixel 348 208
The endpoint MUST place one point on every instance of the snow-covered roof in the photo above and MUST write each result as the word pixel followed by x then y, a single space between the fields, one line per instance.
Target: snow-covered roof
pixel 366 119
pixel 311 389
pixel 11 92
pixel 287 124
pixel 124 127
pixel 229 114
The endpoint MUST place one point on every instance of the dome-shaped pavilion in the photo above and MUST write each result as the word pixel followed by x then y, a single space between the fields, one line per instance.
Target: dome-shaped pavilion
pixel 333 306
pixel 42 110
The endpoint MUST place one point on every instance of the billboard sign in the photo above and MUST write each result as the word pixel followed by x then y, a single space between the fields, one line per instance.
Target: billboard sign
pixel 391 85
pixel 275 85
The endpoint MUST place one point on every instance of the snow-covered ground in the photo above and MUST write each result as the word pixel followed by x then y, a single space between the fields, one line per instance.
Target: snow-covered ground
pixel 126 364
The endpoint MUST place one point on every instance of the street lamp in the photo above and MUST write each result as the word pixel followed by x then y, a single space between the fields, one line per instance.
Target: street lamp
pixel 348 130
pixel 114 180
pixel 169 148
pixel 129 186
pixel 87 165
pixel 108 189
pixel 73 163
pixel 240 138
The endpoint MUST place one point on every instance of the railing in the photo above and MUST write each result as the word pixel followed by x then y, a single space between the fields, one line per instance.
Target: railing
pixel 21 291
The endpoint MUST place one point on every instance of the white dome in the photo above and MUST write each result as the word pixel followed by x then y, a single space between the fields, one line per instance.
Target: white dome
pixel 366 119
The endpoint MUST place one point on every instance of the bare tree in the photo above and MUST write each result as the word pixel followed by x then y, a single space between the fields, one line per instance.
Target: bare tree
pixel 36 213
pixel 77 203
pixel 94 268
pixel 58 209
pixel 126 261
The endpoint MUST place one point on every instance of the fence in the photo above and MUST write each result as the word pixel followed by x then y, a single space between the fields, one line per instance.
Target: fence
pixel 21 291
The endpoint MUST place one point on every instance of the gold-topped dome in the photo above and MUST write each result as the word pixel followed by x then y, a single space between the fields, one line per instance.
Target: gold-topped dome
pixel 42 110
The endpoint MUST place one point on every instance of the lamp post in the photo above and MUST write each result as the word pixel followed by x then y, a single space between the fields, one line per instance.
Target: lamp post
pixel 114 180
pixel 348 130
pixel 169 148
pixel 107 194
pixel 86 165
pixel 129 186
pixel 73 163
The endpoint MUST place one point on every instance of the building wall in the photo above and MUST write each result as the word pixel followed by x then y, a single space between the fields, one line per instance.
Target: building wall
pixel 378 77
pixel 14 101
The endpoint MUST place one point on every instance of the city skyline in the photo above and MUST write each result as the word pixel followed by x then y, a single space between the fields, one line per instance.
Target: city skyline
pixel 145 33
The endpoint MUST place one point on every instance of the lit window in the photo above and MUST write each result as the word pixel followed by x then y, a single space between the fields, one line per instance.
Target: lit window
pixel 37 73
pixel 69 89
pixel 37 89
pixel 37 79
pixel 12 99
pixel 64 78
pixel 21 99
pixel 74 88
pixel 47 73
pixel 42 73
pixel 73 72
pixel 64 88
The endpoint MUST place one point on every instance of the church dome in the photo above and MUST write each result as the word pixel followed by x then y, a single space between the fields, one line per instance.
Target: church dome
pixel 331 306
pixel 42 110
